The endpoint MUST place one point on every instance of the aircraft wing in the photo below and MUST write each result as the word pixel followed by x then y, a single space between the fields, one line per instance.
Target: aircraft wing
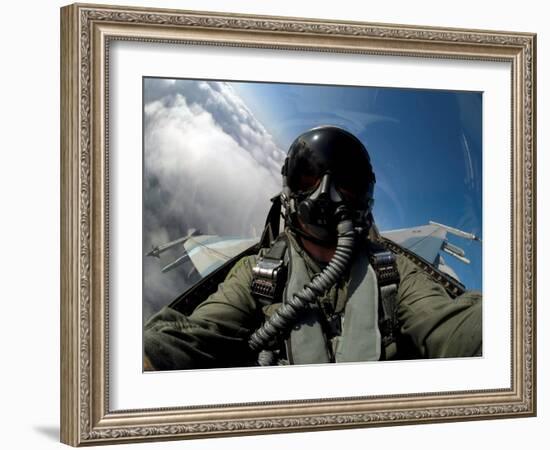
pixel 208 252
pixel 430 241
pixel 198 253
pixel 425 240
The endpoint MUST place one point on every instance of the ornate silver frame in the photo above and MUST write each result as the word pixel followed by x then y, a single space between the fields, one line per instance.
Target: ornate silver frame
pixel 86 31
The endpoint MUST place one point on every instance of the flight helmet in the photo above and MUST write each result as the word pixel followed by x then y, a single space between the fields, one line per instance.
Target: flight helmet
pixel 327 170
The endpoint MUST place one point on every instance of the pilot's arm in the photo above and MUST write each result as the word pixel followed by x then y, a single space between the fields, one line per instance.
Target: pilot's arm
pixel 214 335
pixel 432 324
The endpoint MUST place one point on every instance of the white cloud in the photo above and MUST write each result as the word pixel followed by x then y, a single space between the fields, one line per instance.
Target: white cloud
pixel 208 164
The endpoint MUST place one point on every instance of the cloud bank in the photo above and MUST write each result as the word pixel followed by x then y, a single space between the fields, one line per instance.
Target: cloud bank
pixel 208 164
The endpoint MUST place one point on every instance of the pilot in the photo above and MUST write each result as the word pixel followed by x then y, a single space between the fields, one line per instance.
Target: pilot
pixel 327 289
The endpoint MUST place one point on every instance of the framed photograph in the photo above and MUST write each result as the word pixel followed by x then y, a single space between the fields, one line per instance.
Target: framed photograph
pixel 276 224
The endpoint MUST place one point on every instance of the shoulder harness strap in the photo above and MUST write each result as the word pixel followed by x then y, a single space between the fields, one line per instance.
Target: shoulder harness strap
pixel 269 273
pixel 384 264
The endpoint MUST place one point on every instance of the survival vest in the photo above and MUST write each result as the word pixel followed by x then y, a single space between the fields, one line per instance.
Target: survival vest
pixel 364 330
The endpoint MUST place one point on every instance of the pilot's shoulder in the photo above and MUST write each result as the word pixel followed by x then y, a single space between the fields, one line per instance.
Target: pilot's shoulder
pixel 243 267
pixel 404 264
pixel 407 268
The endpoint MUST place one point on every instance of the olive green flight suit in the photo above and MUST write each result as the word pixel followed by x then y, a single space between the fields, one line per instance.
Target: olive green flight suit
pixel 432 325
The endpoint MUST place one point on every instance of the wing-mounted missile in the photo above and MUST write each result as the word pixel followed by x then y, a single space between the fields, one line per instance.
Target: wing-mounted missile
pixel 178 262
pixel 455 251
pixel 457 232
pixel 159 249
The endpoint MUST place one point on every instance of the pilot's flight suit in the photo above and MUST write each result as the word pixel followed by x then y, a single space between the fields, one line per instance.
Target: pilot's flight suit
pixel 431 324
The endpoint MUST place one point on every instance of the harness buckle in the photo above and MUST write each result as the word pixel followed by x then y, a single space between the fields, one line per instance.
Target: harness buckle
pixel 266 275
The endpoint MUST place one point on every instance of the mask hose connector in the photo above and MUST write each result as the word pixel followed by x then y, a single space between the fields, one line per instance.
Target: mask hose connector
pixel 287 315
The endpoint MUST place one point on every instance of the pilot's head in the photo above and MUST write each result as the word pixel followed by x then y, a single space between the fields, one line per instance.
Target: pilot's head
pixel 327 171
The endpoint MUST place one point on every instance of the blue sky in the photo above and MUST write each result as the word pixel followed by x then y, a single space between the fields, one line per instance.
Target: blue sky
pixel 425 146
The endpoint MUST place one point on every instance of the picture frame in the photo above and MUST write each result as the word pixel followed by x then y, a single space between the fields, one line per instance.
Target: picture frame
pixel 87 33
